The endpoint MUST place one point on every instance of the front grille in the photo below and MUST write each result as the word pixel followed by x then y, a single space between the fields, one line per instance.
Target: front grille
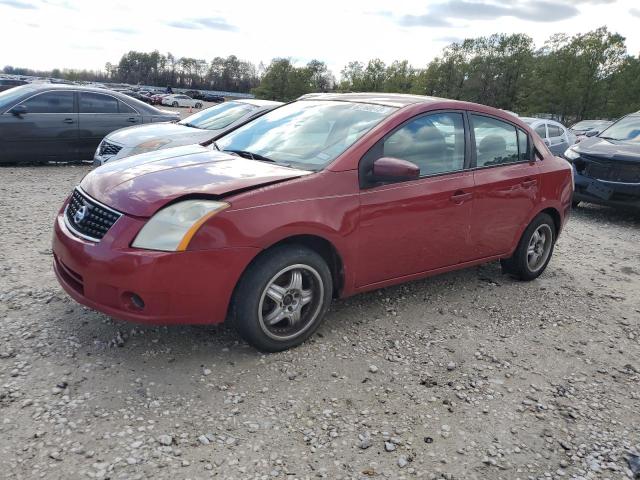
pixel 107 148
pixel 88 218
pixel 613 171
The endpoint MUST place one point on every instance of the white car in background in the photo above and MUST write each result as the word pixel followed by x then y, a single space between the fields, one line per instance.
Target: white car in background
pixel 555 135
pixel 180 100
pixel 201 127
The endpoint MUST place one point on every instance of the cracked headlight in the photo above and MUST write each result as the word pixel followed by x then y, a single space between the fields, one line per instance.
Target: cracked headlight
pixel 172 228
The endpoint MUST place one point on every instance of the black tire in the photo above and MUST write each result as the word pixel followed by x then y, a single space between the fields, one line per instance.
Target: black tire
pixel 519 265
pixel 174 104
pixel 198 105
pixel 252 304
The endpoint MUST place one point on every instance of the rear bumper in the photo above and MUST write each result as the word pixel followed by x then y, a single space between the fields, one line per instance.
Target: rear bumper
pixel 623 194
pixel 192 287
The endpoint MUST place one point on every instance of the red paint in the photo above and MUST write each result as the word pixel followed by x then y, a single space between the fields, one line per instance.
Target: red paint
pixel 383 235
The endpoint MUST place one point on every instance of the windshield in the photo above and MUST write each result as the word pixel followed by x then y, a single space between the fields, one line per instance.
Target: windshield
pixel 7 97
pixel 586 124
pixel 626 129
pixel 307 134
pixel 219 116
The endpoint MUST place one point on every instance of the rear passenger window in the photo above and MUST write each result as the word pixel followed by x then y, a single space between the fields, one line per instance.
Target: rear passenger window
pixel 541 130
pixel 496 141
pixel 124 108
pixel 50 102
pixel 554 130
pixel 435 143
pixel 97 103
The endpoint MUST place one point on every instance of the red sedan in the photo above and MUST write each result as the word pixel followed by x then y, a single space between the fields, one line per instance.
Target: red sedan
pixel 325 197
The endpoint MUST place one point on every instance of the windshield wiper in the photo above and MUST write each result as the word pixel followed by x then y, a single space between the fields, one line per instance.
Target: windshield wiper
pixel 215 145
pixel 251 155
pixel 189 125
pixel 611 138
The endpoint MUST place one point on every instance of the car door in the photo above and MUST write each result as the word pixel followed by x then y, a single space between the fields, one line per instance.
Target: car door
pixel 99 115
pixel 47 131
pixel 419 225
pixel 557 139
pixel 506 181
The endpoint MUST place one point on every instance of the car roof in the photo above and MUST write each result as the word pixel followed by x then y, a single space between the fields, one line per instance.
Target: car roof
pixel 257 102
pixel 385 99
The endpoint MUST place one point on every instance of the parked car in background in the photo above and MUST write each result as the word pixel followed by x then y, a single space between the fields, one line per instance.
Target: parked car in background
pixel 195 94
pixel 607 166
pixel 589 128
pixel 7 83
pixel 42 122
pixel 156 98
pixel 180 100
pixel 554 135
pixel 324 197
pixel 138 96
pixel 200 127
pixel 208 97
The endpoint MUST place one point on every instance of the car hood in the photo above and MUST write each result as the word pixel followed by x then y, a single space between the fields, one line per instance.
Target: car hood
pixel 142 184
pixel 609 150
pixel 173 133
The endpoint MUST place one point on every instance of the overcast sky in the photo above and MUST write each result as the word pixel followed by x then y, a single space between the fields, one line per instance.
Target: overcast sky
pixel 44 34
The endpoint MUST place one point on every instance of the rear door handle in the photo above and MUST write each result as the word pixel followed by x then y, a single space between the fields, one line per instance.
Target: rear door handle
pixel 132 119
pixel 68 120
pixel 529 183
pixel 461 196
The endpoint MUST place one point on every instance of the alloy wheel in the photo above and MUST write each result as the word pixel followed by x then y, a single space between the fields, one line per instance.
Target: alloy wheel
pixel 539 247
pixel 290 302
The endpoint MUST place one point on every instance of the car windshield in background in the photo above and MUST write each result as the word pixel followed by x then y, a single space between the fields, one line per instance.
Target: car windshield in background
pixel 586 125
pixel 306 134
pixel 219 116
pixel 626 129
pixel 7 97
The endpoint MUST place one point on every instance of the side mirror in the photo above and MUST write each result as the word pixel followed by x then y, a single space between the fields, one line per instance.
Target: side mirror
pixel 18 110
pixel 591 133
pixel 389 169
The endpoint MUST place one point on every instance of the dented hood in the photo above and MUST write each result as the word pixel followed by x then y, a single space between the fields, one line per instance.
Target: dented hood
pixel 142 184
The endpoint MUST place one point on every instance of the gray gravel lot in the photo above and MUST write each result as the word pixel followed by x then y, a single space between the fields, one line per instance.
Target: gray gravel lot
pixel 466 375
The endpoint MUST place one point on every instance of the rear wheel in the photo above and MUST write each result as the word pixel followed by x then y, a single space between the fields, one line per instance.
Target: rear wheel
pixel 174 104
pixel 198 105
pixel 282 298
pixel 534 249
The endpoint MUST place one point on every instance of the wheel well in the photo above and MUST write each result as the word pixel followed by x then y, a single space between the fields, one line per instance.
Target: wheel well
pixel 555 215
pixel 326 250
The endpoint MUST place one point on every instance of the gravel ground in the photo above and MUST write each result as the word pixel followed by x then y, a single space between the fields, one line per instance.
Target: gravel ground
pixel 466 375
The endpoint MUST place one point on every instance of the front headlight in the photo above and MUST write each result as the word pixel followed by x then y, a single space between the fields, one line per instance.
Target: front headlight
pixel 172 228
pixel 571 154
pixel 149 146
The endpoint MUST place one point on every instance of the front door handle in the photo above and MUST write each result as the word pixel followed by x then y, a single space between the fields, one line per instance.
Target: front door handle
pixel 529 183
pixel 461 196
pixel 68 120
pixel 132 119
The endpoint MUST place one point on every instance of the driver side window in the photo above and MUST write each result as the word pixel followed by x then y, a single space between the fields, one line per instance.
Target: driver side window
pixel 434 142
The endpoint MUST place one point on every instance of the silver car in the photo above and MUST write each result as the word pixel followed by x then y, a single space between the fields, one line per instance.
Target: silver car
pixel 200 127
pixel 555 135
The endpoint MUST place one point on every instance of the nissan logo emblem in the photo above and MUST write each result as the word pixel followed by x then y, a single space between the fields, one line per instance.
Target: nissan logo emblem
pixel 80 215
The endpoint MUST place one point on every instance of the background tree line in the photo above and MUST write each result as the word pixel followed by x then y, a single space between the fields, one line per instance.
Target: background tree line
pixel 588 75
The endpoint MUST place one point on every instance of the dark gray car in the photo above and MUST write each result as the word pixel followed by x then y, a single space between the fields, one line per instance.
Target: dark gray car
pixel 43 122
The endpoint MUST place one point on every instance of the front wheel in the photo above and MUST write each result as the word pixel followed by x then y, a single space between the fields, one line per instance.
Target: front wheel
pixel 174 104
pixel 282 298
pixel 198 105
pixel 534 249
